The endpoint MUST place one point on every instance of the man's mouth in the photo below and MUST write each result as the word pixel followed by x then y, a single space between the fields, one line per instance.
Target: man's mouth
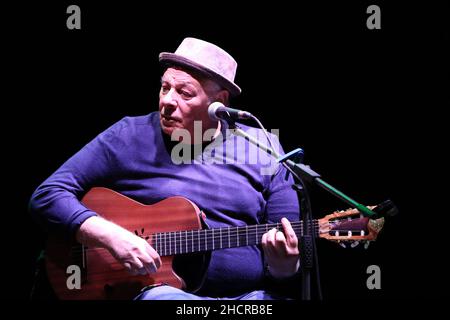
pixel 169 118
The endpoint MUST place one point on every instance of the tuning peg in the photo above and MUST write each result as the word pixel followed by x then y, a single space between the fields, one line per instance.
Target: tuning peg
pixel 342 244
pixel 366 245
pixel 354 244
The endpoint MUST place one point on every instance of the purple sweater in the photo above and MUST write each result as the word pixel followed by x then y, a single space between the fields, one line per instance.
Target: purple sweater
pixel 133 157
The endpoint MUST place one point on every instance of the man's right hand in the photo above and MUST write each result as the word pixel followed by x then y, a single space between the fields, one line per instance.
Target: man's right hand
pixel 133 252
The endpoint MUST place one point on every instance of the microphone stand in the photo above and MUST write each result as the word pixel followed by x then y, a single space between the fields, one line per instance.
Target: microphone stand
pixel 301 172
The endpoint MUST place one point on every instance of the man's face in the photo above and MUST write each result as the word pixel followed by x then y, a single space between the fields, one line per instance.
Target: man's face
pixel 183 100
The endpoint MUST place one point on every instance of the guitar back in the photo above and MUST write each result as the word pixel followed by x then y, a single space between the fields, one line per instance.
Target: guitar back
pixel 102 277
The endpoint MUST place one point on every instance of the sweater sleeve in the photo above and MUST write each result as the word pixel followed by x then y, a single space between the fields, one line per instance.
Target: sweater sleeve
pixel 55 204
pixel 281 199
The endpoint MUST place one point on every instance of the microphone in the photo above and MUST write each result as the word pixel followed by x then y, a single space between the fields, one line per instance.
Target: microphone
pixel 218 111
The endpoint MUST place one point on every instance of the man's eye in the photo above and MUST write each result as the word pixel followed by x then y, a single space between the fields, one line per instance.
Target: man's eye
pixel 186 94
pixel 164 89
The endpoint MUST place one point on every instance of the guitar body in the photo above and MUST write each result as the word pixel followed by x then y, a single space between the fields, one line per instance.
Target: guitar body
pixel 102 277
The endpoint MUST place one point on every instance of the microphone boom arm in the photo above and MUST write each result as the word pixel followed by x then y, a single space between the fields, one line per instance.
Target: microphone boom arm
pixel 304 172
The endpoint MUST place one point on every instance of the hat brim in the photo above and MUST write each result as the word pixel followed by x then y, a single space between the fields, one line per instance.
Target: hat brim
pixel 168 58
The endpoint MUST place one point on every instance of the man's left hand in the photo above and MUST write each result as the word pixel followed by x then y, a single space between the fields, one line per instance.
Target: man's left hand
pixel 281 251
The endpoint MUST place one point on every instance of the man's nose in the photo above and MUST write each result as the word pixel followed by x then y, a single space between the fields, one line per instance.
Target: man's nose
pixel 169 100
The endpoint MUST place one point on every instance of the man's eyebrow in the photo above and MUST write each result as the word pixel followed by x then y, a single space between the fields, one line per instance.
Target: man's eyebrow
pixel 186 83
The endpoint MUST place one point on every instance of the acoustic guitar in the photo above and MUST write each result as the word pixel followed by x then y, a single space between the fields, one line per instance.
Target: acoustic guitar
pixel 175 229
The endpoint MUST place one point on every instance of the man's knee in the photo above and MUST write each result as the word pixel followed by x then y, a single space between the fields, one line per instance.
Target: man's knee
pixel 165 292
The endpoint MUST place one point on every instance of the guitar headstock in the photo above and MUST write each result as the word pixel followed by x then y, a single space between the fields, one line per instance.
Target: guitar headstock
pixel 350 227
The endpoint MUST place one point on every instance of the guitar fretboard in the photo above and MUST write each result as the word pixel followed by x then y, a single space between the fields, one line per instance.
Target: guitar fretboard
pixel 190 241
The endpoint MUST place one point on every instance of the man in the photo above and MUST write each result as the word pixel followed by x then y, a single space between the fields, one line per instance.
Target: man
pixel 134 157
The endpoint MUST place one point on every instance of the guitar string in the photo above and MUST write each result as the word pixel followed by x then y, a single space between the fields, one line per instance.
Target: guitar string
pixel 208 235
pixel 182 235
pixel 178 242
pixel 236 229
pixel 233 233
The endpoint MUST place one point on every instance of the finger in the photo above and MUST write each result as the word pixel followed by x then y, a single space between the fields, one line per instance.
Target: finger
pixel 127 266
pixel 137 266
pixel 149 267
pixel 264 239
pixel 155 256
pixel 291 237
pixel 130 270
pixel 143 271
pixel 271 236
pixel 148 263
pixel 267 247
pixel 280 238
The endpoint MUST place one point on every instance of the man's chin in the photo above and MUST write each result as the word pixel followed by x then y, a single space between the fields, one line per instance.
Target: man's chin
pixel 169 130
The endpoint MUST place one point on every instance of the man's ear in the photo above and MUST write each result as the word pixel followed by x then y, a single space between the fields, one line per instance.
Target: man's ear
pixel 223 96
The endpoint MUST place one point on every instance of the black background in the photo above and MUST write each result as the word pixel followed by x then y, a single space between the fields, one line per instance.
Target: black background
pixel 365 105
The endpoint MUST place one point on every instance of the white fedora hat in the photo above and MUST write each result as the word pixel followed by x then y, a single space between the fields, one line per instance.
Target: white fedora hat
pixel 207 59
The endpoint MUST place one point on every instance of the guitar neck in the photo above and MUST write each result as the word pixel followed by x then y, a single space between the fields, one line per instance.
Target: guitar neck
pixel 190 241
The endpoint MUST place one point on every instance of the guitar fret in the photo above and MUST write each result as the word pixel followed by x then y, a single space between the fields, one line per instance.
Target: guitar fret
pixel 186 242
pixel 170 243
pixel 206 240
pixel 181 244
pixel 175 241
pixel 165 243
pixel 229 243
pixel 246 234
pixel 213 239
pixel 198 233
pixel 237 232
pixel 220 233
pixel 159 244
pixel 192 234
